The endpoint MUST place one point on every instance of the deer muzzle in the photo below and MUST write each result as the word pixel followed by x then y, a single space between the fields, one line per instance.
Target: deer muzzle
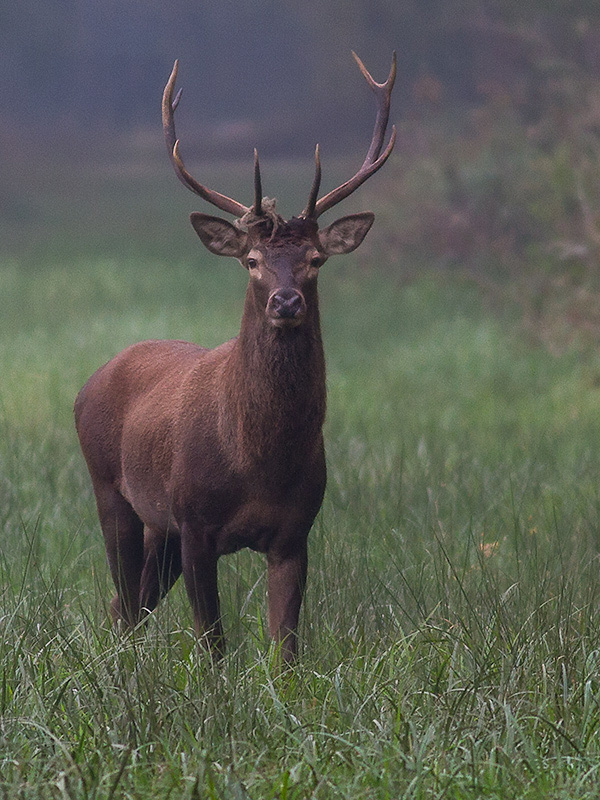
pixel 286 308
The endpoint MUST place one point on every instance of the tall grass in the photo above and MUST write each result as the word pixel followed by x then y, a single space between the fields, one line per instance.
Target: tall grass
pixel 450 636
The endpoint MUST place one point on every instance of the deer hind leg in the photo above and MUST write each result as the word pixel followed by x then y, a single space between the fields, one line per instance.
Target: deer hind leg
pixel 162 567
pixel 123 534
pixel 199 566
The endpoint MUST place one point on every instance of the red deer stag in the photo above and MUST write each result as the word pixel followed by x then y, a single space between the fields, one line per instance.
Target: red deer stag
pixel 194 453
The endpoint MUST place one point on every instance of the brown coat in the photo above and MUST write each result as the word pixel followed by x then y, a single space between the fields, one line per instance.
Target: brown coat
pixel 195 453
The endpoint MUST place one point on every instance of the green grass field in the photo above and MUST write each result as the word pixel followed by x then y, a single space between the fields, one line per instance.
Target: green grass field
pixel 450 639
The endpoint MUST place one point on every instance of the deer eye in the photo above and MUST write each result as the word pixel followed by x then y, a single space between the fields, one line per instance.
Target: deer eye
pixel 315 261
pixel 252 263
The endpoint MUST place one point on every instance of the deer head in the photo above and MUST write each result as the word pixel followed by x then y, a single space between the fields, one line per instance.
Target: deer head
pixel 283 257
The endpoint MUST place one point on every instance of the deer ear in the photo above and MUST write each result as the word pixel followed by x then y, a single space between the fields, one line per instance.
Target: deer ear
pixel 345 234
pixel 219 236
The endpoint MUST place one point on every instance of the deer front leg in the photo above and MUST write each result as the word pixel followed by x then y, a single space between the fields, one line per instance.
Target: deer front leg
pixel 199 567
pixel 286 582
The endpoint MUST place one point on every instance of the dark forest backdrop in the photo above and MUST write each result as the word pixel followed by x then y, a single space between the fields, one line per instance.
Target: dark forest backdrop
pixel 85 64
pixel 495 175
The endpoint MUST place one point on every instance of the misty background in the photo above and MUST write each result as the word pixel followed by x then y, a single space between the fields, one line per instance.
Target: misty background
pixel 494 177
pixel 276 71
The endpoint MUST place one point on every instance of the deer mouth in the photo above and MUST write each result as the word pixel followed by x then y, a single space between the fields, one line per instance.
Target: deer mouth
pixel 282 323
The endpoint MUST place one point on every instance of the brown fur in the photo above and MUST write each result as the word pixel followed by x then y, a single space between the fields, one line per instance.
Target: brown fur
pixel 195 453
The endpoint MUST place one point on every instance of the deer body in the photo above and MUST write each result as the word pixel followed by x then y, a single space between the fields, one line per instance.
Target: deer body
pixel 195 453
pixel 211 440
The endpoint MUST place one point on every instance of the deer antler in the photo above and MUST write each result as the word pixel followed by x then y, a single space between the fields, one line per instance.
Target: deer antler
pixel 373 160
pixel 216 198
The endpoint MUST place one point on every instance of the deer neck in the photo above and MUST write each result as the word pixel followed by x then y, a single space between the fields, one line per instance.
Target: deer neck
pixel 276 389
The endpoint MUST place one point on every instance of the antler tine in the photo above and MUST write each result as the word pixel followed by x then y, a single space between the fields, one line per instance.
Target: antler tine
pixel 374 159
pixel 346 189
pixel 257 207
pixel 168 109
pixel 383 92
pixel 169 104
pixel 314 190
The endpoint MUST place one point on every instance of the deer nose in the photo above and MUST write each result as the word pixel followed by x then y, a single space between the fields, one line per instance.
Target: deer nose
pixel 286 304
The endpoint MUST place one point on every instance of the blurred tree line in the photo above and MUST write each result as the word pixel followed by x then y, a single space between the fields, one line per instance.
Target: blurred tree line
pixel 497 180
pixel 91 63
pixel 496 172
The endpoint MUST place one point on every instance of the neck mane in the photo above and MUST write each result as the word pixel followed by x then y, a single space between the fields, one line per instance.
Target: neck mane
pixel 276 389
